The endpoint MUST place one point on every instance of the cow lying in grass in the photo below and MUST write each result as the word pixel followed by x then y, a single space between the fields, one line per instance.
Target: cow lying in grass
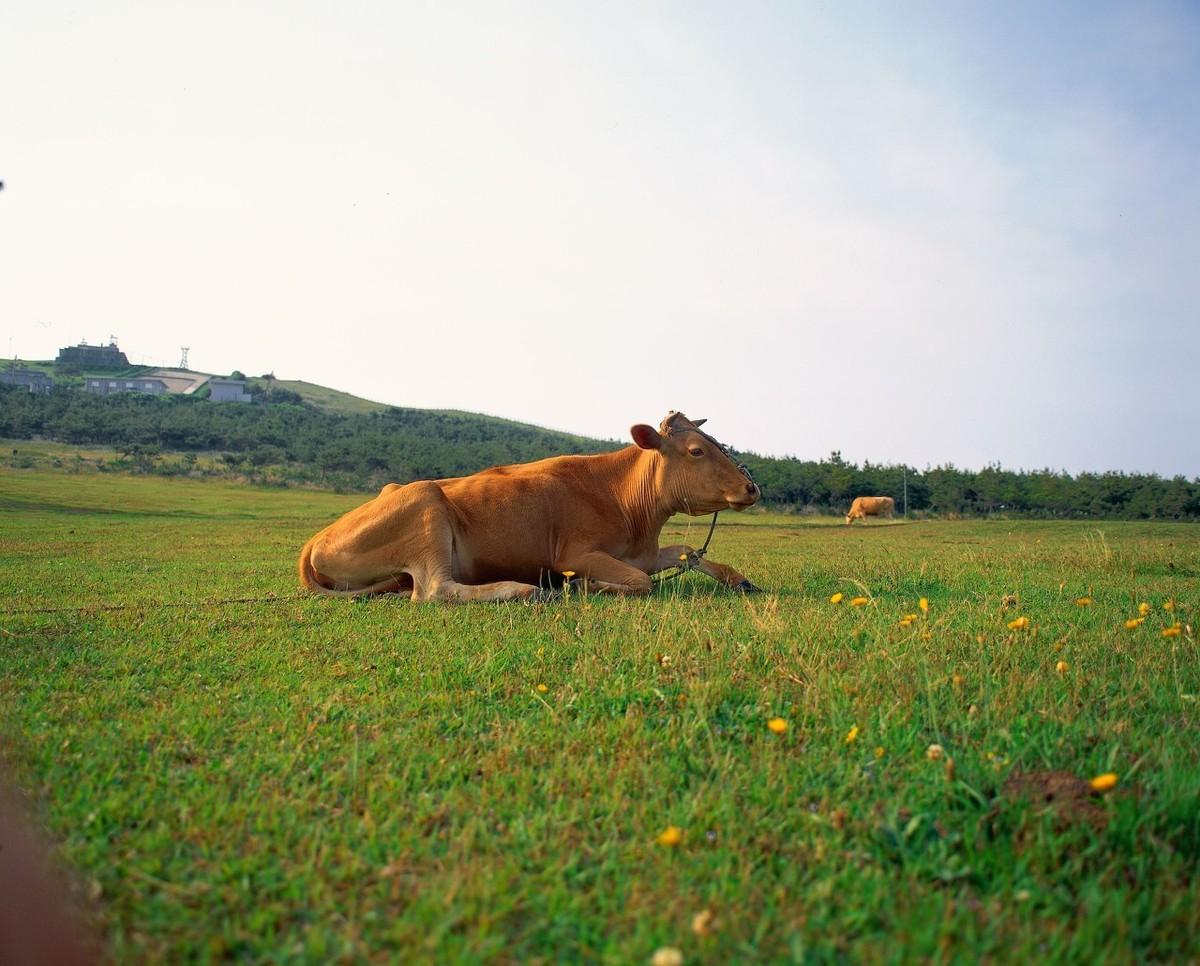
pixel 512 531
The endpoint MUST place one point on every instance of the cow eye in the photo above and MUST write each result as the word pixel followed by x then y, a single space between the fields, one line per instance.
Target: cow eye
pixel 696 451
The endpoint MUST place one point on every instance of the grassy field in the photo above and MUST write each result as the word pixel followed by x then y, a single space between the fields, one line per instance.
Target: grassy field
pixel 49 367
pixel 330 399
pixel 44 454
pixel 301 778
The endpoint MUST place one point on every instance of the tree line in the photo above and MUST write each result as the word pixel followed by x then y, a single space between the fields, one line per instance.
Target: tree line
pixel 833 483
pixel 280 438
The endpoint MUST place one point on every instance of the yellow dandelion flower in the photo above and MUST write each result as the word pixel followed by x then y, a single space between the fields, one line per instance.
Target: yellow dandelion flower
pixel 935 752
pixel 1020 624
pixel 542 689
pixel 837 598
pixel 1083 601
pixel 879 752
pixel 1169 605
pixel 667 956
pixel 1143 608
pixel 859 601
pixel 777 725
pixel 1134 622
pixel 906 621
pixel 852 735
pixel 1062 667
pixel 568 574
pixel 671 836
pixel 1172 631
pixel 1105 782
pixel 957 680
pixel 923 604
pixel 704 922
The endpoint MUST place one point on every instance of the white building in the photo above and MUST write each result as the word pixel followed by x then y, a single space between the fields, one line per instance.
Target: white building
pixel 102 386
pixel 28 379
pixel 229 390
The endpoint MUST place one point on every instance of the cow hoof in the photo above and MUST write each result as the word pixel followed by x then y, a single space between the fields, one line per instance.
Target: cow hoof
pixel 748 588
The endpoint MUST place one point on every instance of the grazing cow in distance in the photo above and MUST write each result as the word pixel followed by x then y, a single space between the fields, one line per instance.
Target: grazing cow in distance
pixel 511 531
pixel 870 506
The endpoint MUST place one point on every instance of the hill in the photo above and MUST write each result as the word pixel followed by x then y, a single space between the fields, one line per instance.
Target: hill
pixel 71 375
pixel 300 433
pixel 322 397
pixel 294 433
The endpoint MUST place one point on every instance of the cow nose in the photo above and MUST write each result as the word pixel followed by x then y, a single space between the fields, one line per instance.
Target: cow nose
pixel 751 488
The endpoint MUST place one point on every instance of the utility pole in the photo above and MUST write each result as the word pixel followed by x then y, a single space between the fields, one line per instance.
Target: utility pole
pixel 906 492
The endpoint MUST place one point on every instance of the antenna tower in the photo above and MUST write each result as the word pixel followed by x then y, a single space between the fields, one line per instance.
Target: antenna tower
pixel 183 361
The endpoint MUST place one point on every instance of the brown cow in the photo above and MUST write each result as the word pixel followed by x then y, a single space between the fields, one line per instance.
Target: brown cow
pixel 511 531
pixel 870 506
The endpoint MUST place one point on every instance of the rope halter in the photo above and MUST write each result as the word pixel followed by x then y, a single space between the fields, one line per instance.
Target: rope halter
pixel 668 428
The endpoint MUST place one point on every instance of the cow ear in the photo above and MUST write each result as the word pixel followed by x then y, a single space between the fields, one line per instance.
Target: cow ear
pixel 645 436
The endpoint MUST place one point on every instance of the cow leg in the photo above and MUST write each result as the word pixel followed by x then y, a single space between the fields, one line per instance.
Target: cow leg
pixel 452 590
pixel 407 540
pixel 668 557
pixel 606 573
pixel 433 578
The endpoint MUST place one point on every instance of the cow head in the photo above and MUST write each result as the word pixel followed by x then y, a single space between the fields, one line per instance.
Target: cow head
pixel 696 473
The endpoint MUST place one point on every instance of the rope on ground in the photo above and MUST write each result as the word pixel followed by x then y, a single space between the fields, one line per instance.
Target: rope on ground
pixel 154 605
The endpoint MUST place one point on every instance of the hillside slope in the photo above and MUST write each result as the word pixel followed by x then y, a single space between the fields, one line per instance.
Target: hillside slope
pixel 301 433
pixel 347 442
pixel 329 400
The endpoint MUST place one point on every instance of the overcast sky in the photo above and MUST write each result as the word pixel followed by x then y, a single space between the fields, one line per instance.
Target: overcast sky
pixel 912 232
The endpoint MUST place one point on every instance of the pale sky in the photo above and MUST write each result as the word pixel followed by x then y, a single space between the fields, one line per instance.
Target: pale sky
pixel 918 232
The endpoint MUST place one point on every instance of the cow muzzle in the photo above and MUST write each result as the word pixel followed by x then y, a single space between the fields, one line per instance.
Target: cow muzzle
pixel 746 498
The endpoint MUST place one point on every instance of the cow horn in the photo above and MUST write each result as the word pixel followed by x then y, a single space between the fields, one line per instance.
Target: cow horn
pixel 675 422
pixel 699 422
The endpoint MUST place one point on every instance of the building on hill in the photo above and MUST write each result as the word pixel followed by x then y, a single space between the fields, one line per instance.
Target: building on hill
pixel 103 387
pixel 29 379
pixel 94 356
pixel 229 390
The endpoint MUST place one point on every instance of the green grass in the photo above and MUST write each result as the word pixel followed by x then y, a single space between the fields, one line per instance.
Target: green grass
pixel 315 779
pixel 323 397
pixel 49 367
pixel 41 454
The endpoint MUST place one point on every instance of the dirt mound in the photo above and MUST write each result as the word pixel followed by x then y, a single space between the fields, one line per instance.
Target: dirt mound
pixel 1067 796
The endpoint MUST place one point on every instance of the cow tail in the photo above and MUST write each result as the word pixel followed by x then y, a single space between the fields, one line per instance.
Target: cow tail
pixel 311 580
pixel 308 576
